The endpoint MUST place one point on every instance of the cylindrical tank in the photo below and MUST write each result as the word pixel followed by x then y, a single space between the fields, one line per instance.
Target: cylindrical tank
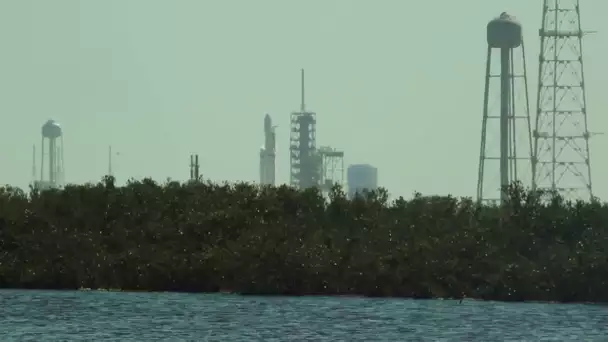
pixel 361 177
pixel 51 130
pixel 504 32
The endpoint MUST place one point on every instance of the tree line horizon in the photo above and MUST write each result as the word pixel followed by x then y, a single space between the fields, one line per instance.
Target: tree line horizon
pixel 199 236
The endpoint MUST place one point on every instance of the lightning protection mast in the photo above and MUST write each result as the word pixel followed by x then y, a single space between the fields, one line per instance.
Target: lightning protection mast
pixel 507 156
pixel 305 163
pixel 194 168
pixel 561 136
pixel 34 165
pixel 268 153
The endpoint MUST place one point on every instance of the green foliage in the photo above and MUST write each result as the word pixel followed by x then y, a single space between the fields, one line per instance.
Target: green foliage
pixel 202 236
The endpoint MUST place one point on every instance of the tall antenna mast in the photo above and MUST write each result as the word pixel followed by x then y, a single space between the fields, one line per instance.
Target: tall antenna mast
pixel 302 105
pixel 561 136
pixel 194 168
pixel 110 161
pixel 34 163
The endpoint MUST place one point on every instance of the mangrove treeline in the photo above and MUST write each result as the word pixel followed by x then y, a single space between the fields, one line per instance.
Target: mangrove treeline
pixel 206 237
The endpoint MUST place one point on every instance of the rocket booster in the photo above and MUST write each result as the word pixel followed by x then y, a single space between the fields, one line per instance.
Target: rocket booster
pixel 269 141
pixel 267 154
pixel 267 124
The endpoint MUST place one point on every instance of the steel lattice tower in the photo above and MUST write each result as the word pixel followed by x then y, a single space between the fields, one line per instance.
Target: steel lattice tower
pixel 561 136
pixel 332 167
pixel 509 159
pixel 305 163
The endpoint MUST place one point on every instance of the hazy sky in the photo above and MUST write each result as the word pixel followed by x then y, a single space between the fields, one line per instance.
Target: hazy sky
pixel 395 83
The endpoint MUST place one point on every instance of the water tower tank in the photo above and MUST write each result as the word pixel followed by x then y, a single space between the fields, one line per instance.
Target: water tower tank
pixel 361 177
pixel 504 32
pixel 51 130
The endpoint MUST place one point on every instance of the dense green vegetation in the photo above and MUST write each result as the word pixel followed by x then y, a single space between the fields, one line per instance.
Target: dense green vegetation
pixel 264 240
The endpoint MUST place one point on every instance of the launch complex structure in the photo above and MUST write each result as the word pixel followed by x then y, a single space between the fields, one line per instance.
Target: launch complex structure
pixel 555 155
pixel 268 153
pixel 310 166
pixel 321 167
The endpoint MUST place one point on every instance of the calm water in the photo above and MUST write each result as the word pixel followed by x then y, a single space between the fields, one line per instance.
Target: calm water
pixel 111 316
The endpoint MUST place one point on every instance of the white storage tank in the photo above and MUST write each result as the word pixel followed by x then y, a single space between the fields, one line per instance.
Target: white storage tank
pixel 361 177
pixel 504 32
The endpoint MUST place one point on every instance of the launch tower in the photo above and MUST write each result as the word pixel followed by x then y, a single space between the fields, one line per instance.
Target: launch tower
pixel 304 161
pixel 267 153
pixel 561 136
pixel 110 170
pixel 507 162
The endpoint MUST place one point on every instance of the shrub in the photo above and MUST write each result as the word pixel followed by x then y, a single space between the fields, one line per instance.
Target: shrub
pixel 200 236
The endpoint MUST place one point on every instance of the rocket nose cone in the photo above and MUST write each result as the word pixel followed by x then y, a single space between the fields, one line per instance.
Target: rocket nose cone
pixel 267 123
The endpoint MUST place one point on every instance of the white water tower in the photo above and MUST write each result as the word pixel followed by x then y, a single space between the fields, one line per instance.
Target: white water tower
pixel 52 135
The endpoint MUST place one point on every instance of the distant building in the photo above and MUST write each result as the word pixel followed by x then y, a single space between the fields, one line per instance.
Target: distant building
pixel 43 185
pixel 361 177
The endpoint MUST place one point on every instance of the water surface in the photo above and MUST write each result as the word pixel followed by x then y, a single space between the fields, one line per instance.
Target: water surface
pixel 114 316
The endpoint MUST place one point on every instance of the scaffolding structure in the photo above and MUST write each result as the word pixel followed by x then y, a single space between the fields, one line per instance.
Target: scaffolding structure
pixel 562 162
pixel 332 167
pixel 194 168
pixel 304 164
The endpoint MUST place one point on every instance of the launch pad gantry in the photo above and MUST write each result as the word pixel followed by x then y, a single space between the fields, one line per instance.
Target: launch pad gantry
pixel 309 166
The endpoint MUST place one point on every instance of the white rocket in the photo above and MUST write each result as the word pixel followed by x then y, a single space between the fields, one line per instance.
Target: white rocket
pixel 267 154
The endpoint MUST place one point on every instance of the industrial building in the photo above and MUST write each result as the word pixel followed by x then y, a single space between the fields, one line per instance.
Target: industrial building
pixel 361 177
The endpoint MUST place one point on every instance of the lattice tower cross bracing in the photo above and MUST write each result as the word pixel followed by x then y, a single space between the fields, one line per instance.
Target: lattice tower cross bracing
pixel 332 167
pixel 506 146
pixel 561 136
pixel 194 168
pixel 304 161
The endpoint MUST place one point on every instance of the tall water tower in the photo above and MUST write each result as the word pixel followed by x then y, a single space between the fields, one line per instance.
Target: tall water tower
pixel 506 145
pixel 52 134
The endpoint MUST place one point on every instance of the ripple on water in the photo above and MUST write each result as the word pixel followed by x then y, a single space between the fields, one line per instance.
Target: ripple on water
pixel 120 316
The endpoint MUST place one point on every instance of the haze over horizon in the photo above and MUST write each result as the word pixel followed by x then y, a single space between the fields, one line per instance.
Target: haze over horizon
pixel 396 84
